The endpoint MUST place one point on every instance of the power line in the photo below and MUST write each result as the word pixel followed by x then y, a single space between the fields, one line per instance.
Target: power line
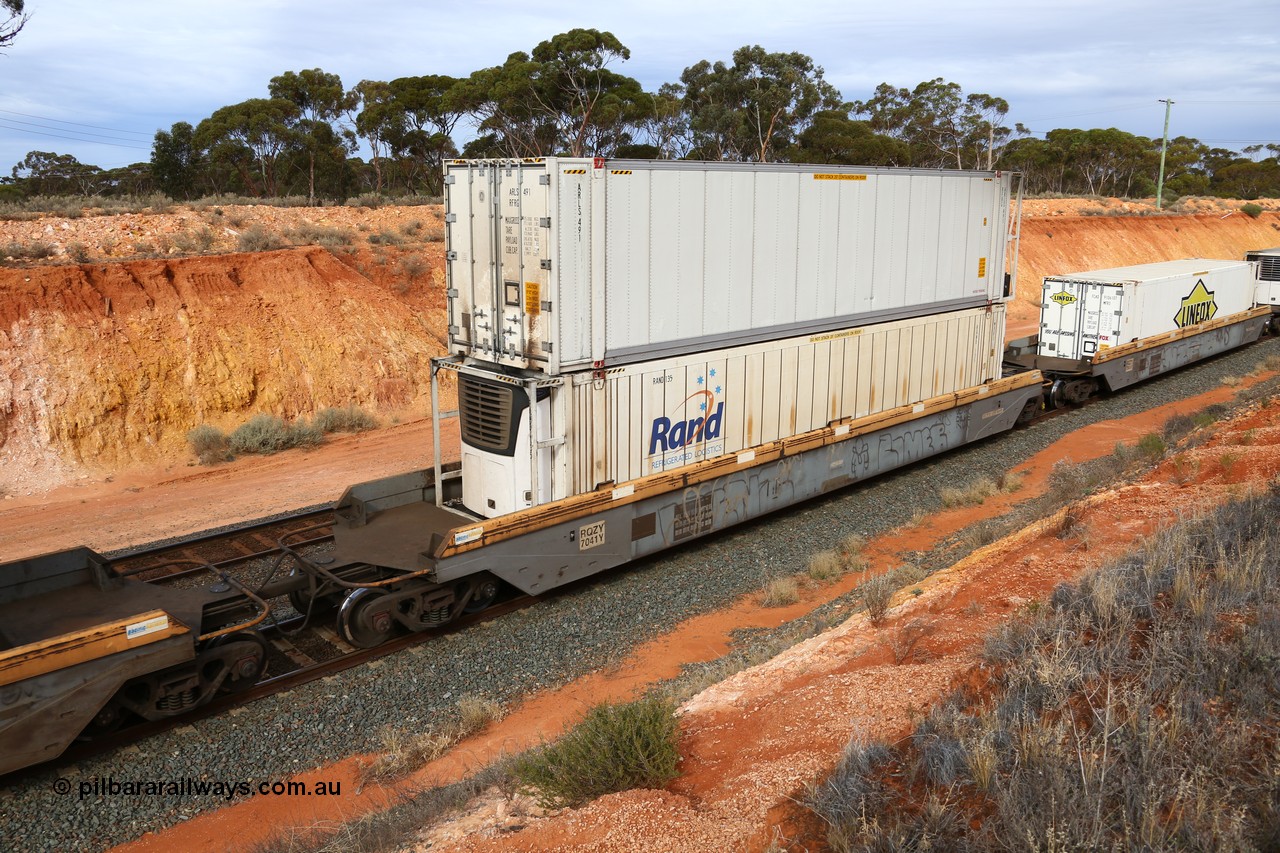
pixel 80 132
pixel 77 124
pixel 72 138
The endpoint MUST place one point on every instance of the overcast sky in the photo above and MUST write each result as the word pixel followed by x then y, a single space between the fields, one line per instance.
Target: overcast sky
pixel 124 70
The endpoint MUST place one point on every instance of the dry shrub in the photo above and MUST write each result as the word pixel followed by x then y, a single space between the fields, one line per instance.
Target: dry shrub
pixel 210 444
pixel 973 493
pixel 779 592
pixel 614 748
pixel 825 566
pixel 876 594
pixel 404 752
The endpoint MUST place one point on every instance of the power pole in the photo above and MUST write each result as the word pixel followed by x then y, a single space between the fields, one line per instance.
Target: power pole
pixel 1164 148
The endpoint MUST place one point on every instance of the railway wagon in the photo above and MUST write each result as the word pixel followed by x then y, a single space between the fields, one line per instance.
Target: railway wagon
pixel 1108 329
pixel 651 352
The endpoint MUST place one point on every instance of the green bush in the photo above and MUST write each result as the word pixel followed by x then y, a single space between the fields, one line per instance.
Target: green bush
pixel 614 748
pixel 1251 209
pixel 255 238
pixel 269 434
pixel 320 235
pixel 345 419
pixel 210 444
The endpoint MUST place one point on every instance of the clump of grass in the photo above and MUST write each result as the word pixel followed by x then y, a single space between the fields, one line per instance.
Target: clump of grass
pixel 1232 381
pixel 413 267
pixel 265 433
pixel 36 250
pixel 345 419
pixel 371 201
pixel 1152 445
pixel 779 592
pixel 1251 210
pixel 403 752
pixel 195 241
pixel 211 445
pixel 256 238
pixel 386 237
pixel 851 553
pixel 78 252
pixel 973 493
pixel 311 234
pixel 614 748
pixel 825 566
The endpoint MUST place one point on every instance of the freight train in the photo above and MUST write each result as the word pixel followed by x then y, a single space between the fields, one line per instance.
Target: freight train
pixel 644 353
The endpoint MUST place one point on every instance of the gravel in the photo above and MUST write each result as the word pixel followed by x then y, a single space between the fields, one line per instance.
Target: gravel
pixel 562 637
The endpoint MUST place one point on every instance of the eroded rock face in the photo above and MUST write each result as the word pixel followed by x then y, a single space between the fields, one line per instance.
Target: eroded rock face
pixel 105 365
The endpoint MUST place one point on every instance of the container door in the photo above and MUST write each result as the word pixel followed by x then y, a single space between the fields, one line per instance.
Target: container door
pixel 1106 312
pixel 1061 307
pixel 523 295
pixel 472 262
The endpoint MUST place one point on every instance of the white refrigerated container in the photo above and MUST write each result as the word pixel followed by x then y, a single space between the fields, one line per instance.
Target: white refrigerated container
pixel 1084 313
pixel 619 424
pixel 560 264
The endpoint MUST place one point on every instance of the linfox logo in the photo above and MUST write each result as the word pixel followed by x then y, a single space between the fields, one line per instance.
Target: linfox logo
pixel 672 435
pixel 1062 298
pixel 1198 306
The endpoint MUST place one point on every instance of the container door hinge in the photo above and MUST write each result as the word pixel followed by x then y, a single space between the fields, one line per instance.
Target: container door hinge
pixel 454 331
pixel 547 346
pixel 451 256
pixel 545 180
pixel 452 293
pixel 545 263
pixel 450 179
pixel 546 307
pixel 545 221
pixel 451 217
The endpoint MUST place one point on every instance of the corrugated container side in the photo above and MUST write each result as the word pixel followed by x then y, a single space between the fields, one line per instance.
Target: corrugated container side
pixel 1084 313
pixel 662 415
pixel 555 264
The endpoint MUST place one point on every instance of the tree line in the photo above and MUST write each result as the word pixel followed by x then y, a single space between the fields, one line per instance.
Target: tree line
pixel 566 98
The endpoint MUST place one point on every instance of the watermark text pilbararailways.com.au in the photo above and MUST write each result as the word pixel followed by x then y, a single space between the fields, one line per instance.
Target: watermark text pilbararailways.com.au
pixel 227 789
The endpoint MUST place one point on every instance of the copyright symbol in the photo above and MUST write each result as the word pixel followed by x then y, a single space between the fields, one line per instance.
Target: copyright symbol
pixel 62 786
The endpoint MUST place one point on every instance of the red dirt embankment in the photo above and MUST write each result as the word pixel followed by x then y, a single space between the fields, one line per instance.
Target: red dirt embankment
pixel 107 366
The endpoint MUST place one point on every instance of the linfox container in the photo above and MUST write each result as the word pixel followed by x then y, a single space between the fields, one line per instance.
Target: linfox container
pixel 623 423
pixel 561 264
pixel 1083 313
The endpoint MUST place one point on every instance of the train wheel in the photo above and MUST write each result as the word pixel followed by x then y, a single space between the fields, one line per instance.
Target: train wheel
pixel 483 593
pixel 248 663
pixel 105 721
pixel 365 620
pixel 307 603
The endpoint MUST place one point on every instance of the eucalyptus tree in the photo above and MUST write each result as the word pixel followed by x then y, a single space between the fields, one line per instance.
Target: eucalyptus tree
pixel 177 161
pixel 424 112
pixel 319 99
pixel 943 127
pixel 832 137
pixel 14 22
pixel 562 98
pixel 378 121
pixel 755 108
pixel 249 138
